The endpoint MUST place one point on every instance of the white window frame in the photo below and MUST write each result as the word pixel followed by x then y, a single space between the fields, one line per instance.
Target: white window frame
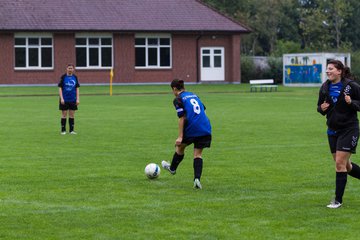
pixel 99 46
pixel 39 46
pixel 146 36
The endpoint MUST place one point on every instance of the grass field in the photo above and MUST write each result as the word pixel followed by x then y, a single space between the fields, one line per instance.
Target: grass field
pixel 267 175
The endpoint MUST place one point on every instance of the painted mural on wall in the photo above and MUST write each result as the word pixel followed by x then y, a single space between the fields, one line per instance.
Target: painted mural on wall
pixel 303 69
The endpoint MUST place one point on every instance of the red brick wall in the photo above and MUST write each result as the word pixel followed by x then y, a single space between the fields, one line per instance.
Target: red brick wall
pixel 184 57
pixel 6 57
pixel 64 53
pixel 234 59
pixel 184 60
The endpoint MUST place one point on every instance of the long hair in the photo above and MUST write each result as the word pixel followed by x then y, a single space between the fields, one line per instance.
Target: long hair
pixel 178 84
pixel 345 70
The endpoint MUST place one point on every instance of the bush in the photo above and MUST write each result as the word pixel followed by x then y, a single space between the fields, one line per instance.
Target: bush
pixel 249 70
pixel 275 70
pixel 355 65
pixel 285 47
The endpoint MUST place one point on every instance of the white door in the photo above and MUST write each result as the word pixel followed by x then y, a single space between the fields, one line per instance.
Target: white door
pixel 212 64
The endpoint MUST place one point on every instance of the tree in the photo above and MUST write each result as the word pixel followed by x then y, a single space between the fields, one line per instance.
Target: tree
pixel 337 11
pixel 264 18
pixel 229 7
pixel 315 25
pixel 268 20
pixel 351 31
pixel 289 22
pixel 314 29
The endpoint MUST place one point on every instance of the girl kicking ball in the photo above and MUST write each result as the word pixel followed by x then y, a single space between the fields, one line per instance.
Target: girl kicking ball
pixel 194 128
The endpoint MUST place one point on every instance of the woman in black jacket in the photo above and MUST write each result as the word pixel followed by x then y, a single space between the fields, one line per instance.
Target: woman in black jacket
pixel 339 100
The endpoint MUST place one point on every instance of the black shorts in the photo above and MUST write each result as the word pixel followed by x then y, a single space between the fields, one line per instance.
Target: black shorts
pixel 344 140
pixel 68 106
pixel 199 142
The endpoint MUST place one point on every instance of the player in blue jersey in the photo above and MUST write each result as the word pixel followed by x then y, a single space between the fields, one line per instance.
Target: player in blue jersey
pixel 194 128
pixel 69 98
pixel 339 100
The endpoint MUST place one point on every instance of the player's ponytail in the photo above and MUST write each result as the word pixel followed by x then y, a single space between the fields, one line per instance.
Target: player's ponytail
pixel 178 84
pixel 347 74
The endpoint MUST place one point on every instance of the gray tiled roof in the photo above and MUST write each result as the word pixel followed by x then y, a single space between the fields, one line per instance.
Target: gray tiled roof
pixel 113 15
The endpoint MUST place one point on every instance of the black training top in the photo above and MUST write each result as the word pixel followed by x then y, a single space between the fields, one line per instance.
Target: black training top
pixel 341 115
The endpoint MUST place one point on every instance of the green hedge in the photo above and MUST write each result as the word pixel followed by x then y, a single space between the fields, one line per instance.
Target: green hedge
pixel 250 71
pixel 355 64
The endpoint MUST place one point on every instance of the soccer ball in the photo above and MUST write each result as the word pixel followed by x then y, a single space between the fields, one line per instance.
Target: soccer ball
pixel 152 170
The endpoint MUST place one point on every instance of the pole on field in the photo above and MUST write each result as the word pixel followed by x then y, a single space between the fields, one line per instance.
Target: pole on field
pixel 111 79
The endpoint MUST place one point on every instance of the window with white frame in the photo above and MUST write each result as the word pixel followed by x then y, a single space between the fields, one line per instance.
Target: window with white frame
pixel 33 51
pixel 153 51
pixel 94 51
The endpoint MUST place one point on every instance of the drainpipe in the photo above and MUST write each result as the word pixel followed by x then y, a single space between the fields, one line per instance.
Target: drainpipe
pixel 197 58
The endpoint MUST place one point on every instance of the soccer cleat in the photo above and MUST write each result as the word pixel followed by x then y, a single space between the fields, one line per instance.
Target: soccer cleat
pixel 334 204
pixel 63 133
pixel 197 184
pixel 72 132
pixel 166 166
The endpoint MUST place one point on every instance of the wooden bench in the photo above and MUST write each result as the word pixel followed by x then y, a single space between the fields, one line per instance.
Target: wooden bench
pixel 262 84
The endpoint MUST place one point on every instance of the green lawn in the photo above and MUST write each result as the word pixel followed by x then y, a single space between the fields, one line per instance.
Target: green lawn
pixel 267 175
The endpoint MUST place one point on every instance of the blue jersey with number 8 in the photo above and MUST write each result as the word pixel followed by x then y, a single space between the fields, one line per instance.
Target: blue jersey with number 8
pixel 189 105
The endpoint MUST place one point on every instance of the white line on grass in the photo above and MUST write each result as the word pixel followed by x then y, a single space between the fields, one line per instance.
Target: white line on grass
pixel 272 146
pixel 46 208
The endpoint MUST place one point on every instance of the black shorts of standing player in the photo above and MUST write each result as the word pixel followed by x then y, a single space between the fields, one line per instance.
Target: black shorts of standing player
pixel 199 142
pixel 68 106
pixel 344 140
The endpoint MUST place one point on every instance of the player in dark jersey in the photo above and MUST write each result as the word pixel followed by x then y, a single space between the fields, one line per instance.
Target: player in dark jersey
pixel 69 98
pixel 194 127
pixel 339 100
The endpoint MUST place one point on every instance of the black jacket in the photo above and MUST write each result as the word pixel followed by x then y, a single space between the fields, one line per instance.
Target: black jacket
pixel 341 115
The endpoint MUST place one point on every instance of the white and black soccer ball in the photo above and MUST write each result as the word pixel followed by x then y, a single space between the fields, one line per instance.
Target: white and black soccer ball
pixel 152 170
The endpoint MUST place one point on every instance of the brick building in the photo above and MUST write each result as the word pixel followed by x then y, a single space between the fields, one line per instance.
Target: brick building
pixel 143 41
